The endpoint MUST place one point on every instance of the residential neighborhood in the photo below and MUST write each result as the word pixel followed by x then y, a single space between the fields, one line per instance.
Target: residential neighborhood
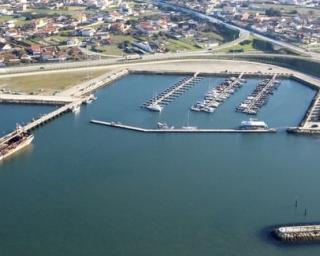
pixel 292 21
pixel 75 30
pixel 55 31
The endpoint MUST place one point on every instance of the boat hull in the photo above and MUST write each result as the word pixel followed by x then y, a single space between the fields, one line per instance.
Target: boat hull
pixel 20 146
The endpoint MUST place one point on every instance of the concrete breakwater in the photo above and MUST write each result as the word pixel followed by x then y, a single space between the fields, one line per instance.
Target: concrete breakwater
pixel 297 233
pixel 179 130
pixel 35 99
pixel 310 123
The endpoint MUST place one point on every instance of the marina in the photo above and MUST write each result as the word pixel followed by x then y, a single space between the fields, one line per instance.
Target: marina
pixel 259 96
pixel 145 187
pixel 216 96
pixel 158 102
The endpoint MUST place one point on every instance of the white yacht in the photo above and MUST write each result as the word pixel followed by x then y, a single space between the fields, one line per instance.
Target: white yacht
pixel 90 99
pixel 164 126
pixel 76 109
pixel 253 124
pixel 209 109
pixel 189 127
pixel 155 107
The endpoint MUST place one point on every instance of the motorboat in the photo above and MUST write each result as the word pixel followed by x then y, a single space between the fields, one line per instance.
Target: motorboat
pixel 155 107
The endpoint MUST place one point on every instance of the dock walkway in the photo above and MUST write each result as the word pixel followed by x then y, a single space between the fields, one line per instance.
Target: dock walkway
pixel 216 96
pixel 172 92
pixel 253 102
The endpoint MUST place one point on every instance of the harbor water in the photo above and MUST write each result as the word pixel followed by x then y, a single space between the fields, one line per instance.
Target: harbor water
pixel 84 189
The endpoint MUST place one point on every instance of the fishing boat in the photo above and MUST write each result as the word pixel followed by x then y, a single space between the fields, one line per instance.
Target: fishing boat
pixel 18 141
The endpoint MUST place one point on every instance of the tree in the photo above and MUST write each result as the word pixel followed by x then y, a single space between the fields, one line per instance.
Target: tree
pixel 262 45
pixel 273 12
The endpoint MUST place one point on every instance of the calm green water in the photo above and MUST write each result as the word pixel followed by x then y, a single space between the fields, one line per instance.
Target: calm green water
pixel 85 189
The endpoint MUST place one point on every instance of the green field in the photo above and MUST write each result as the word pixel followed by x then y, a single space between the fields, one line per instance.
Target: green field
pixel 48 83
pixel 287 9
pixel 113 49
pixel 174 45
pixel 74 11
pixel 247 47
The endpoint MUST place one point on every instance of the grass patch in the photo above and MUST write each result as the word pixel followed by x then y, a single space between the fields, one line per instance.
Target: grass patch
pixel 289 9
pixel 179 45
pixel 4 19
pixel 245 46
pixel 110 50
pixel 66 11
pixel 48 83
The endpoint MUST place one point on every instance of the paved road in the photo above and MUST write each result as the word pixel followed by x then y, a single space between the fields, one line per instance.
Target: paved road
pixel 112 63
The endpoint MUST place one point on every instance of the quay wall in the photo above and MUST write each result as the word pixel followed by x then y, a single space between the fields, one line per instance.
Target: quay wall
pixel 305 118
pixel 221 74
pixel 34 102
pixel 35 99
pixel 301 64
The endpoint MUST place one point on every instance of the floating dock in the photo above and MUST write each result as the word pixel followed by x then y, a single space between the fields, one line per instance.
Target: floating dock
pixel 171 93
pixel 298 233
pixel 173 130
pixel 216 96
pixel 258 97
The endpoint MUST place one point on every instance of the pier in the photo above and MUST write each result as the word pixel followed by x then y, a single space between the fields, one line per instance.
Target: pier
pixel 216 96
pixel 259 96
pixel 45 118
pixel 171 93
pixel 69 103
pixel 173 130
pixel 298 233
